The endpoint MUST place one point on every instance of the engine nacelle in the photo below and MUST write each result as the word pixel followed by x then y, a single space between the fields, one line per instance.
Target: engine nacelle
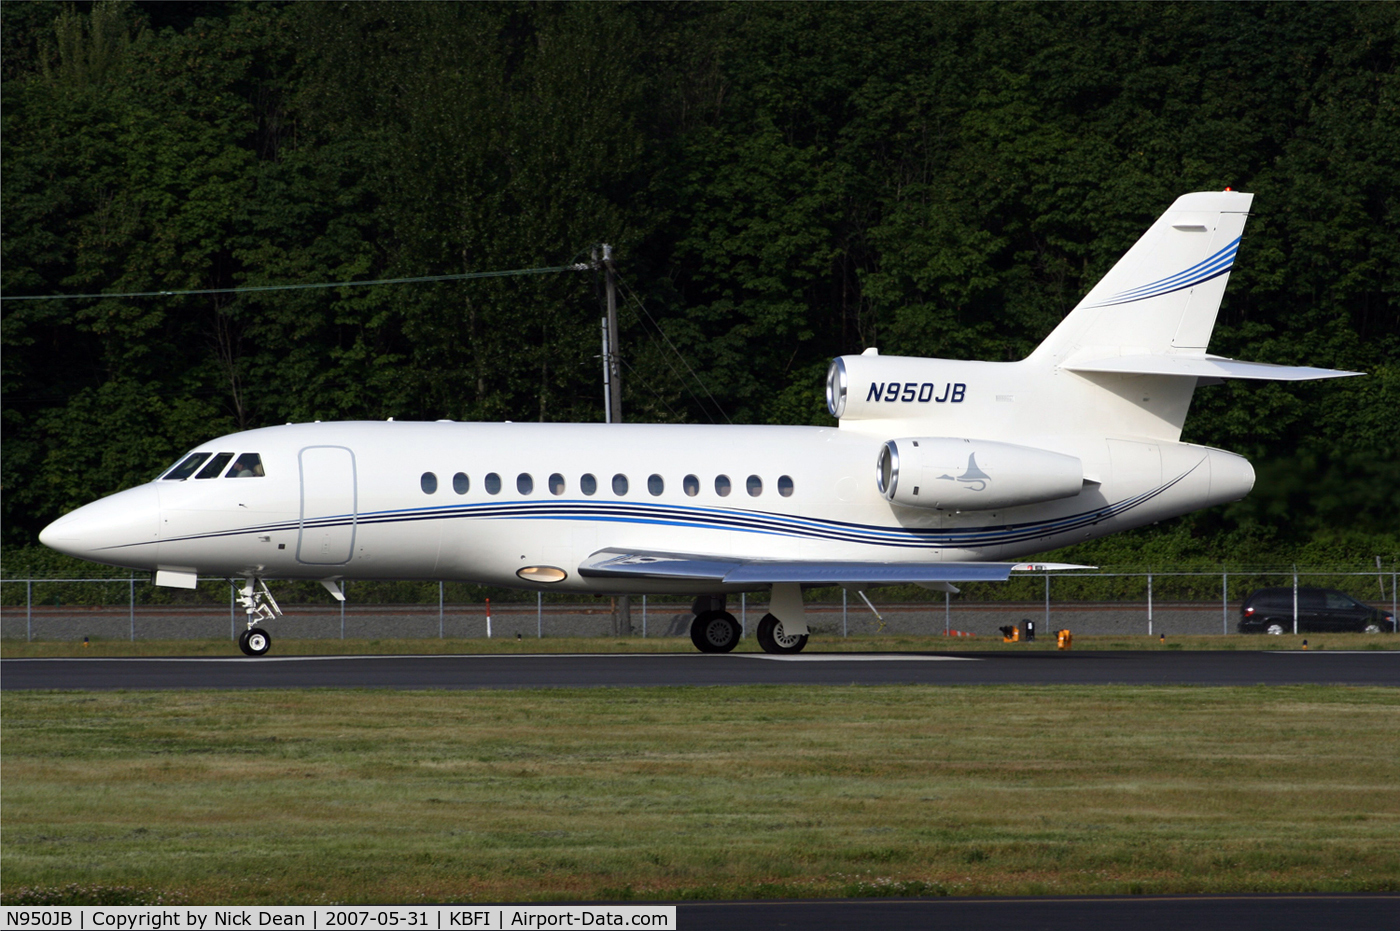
pixel 953 474
pixel 875 387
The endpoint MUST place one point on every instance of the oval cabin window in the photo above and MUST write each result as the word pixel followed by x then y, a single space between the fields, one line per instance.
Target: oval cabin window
pixel 429 483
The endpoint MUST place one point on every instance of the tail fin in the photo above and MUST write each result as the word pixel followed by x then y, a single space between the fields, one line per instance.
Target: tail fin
pixel 1162 296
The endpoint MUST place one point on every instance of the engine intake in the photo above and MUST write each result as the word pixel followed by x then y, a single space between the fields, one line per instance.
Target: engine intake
pixel 954 474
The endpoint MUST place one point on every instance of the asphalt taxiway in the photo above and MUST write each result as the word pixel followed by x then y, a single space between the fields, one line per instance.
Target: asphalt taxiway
pixel 543 670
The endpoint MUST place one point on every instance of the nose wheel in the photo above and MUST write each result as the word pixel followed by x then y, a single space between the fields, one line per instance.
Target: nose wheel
pixel 259 605
pixel 254 641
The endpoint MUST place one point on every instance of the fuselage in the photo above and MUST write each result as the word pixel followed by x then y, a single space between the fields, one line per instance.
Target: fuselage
pixel 480 502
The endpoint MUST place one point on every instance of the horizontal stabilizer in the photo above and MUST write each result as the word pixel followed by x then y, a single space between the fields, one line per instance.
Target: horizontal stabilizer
pixel 616 564
pixel 1206 366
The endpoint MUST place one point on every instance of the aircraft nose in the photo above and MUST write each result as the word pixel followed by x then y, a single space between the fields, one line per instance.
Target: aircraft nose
pixel 110 529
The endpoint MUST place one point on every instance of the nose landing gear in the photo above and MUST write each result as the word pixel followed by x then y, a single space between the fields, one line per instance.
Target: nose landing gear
pixel 254 641
pixel 259 605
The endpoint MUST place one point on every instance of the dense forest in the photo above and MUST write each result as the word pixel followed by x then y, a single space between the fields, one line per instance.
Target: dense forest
pixel 781 183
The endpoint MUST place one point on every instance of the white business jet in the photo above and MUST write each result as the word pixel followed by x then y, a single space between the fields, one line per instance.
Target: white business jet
pixel 940 472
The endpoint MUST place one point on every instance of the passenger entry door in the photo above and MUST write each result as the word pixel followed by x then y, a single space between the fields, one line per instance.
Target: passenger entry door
pixel 328 505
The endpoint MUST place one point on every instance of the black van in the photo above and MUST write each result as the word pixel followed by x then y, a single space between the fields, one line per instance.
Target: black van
pixel 1270 611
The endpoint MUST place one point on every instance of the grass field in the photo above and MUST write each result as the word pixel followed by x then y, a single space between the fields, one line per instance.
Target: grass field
pixel 366 796
pixel 15 649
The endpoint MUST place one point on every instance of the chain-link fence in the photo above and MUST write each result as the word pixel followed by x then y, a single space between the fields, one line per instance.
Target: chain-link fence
pixel 1128 603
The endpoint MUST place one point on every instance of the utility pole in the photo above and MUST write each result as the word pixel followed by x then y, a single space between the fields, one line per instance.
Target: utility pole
pixel 614 365
pixel 612 395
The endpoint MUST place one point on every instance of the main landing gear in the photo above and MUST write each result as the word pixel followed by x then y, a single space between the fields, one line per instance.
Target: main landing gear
pixel 774 639
pixel 715 630
pixel 259 605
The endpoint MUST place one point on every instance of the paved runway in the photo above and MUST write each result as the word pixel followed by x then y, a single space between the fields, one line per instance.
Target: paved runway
pixel 635 670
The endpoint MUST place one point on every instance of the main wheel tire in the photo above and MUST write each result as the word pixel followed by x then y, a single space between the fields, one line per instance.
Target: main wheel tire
pixel 772 639
pixel 715 632
pixel 1274 628
pixel 243 643
pixel 256 642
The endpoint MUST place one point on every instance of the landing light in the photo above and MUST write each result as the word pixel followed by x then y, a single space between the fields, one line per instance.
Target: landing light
pixel 542 574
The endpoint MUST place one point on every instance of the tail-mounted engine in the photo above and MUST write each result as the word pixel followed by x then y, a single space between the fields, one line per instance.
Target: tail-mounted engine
pixel 954 474
pixel 874 387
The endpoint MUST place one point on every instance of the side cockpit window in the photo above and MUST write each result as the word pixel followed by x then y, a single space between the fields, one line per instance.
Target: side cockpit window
pixel 186 468
pixel 247 465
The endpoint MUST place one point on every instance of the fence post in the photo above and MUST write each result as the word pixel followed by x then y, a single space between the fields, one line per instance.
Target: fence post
pixel 440 610
pixel 1225 603
pixel 1047 602
pixel 743 615
pixel 539 616
pixel 1393 613
pixel 231 626
pixel 133 607
pixel 29 610
pixel 947 611
pixel 844 631
pixel 344 590
pixel 1149 604
pixel 644 617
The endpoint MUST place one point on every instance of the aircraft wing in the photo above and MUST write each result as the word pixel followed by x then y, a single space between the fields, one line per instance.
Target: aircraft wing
pixel 622 564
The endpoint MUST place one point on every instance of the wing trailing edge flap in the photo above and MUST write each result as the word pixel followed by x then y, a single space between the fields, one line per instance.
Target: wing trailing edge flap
pixel 1204 366
pixel 619 564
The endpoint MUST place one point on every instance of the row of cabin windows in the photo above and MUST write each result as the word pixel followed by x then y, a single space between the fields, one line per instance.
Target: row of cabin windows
pixel 588 484
pixel 247 465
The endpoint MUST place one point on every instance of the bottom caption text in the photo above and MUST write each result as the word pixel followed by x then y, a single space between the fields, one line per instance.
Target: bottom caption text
pixel 319 918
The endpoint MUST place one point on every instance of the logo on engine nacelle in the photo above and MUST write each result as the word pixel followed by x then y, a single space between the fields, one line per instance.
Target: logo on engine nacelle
pixel 953 392
pixel 974 478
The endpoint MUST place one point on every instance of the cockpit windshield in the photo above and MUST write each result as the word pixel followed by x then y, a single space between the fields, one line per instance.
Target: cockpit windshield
pixel 247 465
pixel 215 466
pixel 186 468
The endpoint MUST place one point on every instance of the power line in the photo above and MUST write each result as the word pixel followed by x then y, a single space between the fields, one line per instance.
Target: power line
pixel 638 301
pixel 655 393
pixel 577 267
